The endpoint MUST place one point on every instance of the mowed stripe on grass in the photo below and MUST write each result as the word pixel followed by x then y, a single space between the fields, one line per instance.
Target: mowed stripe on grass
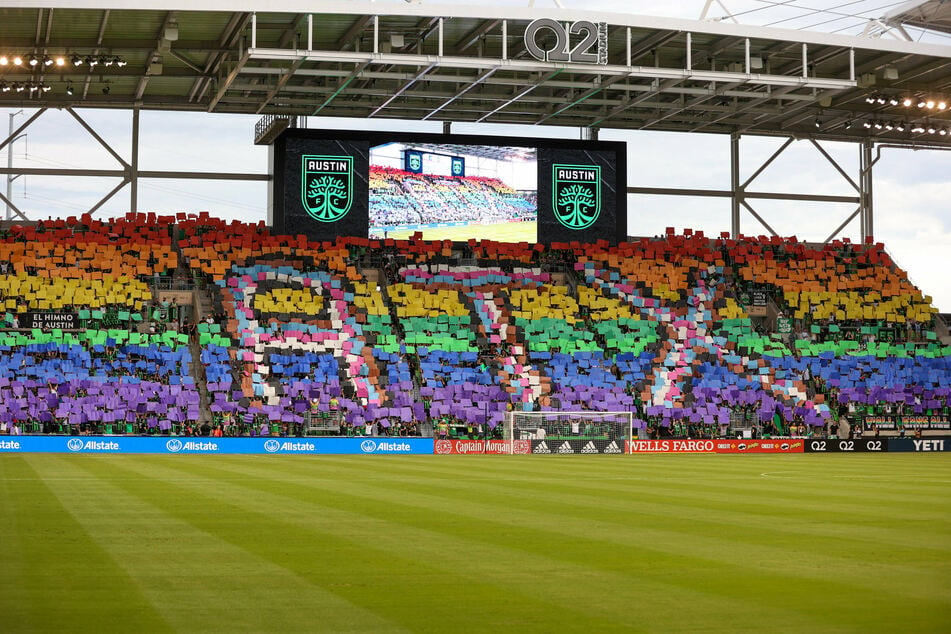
pixel 475 543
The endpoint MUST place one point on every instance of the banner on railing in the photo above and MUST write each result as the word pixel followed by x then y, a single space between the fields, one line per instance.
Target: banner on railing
pixel 202 445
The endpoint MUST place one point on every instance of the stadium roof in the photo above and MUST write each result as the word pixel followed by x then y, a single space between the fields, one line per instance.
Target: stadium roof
pixel 469 63
pixel 930 15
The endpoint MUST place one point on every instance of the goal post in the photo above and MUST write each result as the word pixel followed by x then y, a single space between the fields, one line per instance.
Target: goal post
pixel 568 432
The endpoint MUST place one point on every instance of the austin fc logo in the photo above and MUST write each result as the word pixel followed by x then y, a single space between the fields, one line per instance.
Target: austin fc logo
pixel 576 194
pixel 326 186
pixel 271 446
pixel 75 444
pixel 174 445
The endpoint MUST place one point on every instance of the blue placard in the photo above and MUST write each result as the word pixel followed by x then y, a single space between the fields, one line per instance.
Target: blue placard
pixel 458 166
pixel 185 445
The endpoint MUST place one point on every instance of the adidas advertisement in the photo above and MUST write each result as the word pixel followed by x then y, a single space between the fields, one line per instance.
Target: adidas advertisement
pixel 573 446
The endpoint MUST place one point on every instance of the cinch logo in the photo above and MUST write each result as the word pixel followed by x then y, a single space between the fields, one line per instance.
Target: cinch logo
pixel 443 446
pixel 522 446
pixel 272 445
pixel 326 186
pixel 74 444
pixel 576 194
pixel 9 444
pixel 174 445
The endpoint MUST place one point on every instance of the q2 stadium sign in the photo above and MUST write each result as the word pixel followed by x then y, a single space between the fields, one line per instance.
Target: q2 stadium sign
pixel 590 48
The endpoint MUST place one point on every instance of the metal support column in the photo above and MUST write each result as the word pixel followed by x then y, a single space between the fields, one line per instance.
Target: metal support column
pixel 11 177
pixel 865 184
pixel 134 168
pixel 735 188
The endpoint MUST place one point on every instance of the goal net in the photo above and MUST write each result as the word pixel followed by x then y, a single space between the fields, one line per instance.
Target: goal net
pixel 568 432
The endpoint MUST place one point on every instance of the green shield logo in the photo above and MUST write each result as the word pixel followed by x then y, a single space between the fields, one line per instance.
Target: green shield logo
pixel 576 194
pixel 415 162
pixel 326 186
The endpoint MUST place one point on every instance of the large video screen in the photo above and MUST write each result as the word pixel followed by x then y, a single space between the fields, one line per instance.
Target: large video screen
pixel 447 187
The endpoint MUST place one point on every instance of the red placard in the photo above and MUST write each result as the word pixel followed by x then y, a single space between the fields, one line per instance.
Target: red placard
pixel 777 445
pixel 725 445
pixel 481 446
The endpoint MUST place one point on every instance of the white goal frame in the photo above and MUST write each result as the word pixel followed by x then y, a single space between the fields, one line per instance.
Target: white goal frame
pixel 528 425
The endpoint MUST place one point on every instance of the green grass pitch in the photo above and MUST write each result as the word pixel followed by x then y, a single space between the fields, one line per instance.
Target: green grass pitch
pixel 500 232
pixel 804 543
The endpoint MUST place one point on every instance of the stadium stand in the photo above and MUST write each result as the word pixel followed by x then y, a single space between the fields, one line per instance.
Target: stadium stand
pixel 278 335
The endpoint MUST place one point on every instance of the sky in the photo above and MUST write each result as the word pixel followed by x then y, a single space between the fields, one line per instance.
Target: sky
pixel 912 189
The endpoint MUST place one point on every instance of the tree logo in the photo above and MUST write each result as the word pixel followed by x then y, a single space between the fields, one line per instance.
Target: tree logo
pixel 327 186
pixel 576 194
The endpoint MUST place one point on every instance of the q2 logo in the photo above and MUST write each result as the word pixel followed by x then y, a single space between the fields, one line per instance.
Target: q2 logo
pixel 595 37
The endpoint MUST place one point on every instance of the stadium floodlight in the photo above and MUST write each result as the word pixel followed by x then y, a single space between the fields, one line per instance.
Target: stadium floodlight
pixel 870 99
pixel 889 126
pixel 907 101
pixel 91 61
pixel 931 129
pixel 18 87
pixel 32 60
pixel 943 131
pixel 878 125
pixel 77 60
pixel 921 102
pixel 46 88
pixel 17 60
pixel 60 60
pixel 866 124
pixel 881 100
pixel 69 88
pixel 4 60
pixel 120 62
pixel 942 105
pixel 818 122
pixel 893 101
pixel 47 60
pixel 4 87
pixel 900 126
pixel 106 61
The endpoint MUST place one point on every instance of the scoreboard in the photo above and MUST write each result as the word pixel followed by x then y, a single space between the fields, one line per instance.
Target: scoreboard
pixel 561 190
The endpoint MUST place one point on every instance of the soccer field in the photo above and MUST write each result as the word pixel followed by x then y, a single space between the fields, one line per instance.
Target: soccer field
pixel 500 232
pixel 821 543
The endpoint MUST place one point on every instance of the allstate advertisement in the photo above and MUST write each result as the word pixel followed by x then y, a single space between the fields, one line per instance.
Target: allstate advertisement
pixel 201 445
